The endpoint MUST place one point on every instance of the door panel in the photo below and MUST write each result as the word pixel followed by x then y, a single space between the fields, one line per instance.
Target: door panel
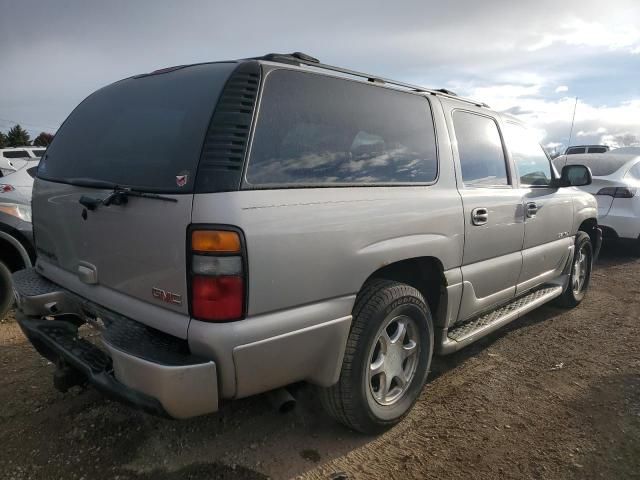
pixel 493 213
pixel 546 235
pixel 492 256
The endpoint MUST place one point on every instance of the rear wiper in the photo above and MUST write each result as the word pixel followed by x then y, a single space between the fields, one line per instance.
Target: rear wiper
pixel 119 196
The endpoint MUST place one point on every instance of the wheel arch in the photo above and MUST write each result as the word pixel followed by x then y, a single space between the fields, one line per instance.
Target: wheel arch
pixel 425 274
pixel 590 227
pixel 12 253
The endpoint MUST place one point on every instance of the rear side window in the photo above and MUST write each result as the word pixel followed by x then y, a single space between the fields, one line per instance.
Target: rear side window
pixel 144 132
pixel 15 154
pixel 532 163
pixel 480 150
pixel 316 130
pixel 576 150
pixel 598 149
pixel 38 153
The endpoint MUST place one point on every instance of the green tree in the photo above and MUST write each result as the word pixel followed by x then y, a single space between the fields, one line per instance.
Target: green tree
pixel 43 140
pixel 18 137
pixel 3 140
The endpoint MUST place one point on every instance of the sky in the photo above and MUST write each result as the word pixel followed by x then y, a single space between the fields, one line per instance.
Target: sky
pixel 531 59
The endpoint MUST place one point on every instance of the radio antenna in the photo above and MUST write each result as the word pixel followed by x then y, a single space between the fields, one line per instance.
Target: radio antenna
pixel 572 122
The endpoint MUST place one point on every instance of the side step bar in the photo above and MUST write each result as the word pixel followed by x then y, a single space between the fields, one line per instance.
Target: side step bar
pixel 462 334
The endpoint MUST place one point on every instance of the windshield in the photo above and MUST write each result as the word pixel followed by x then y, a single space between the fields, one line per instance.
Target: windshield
pixel 145 132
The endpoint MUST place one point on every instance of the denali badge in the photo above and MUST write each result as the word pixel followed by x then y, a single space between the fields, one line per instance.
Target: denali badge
pixel 165 296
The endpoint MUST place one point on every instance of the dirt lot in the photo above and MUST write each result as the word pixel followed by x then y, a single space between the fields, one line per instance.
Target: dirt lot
pixel 555 395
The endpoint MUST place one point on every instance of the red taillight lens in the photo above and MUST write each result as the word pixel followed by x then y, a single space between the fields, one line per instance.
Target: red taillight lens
pixel 217 298
pixel 217 275
pixel 6 188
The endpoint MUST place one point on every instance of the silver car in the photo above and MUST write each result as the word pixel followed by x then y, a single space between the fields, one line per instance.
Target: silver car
pixel 236 227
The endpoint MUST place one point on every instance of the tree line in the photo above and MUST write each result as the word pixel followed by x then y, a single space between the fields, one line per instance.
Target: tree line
pixel 19 137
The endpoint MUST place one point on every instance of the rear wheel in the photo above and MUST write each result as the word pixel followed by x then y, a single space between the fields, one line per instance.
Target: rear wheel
pixel 6 290
pixel 387 358
pixel 580 273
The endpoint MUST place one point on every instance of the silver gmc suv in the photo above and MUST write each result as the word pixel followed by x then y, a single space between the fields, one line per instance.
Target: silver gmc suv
pixel 231 228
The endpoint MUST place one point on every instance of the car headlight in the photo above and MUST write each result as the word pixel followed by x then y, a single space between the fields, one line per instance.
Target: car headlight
pixel 23 212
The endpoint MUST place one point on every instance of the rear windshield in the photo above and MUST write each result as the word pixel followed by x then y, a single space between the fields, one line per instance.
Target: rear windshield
pixel 315 130
pixel 600 166
pixel 15 154
pixel 144 132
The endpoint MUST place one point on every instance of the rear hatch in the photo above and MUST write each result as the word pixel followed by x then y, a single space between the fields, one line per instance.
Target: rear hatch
pixel 144 134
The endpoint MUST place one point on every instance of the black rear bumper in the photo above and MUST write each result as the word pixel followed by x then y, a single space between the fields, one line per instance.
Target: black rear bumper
pixel 58 341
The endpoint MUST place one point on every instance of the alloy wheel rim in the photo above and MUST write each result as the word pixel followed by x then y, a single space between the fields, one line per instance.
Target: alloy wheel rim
pixel 579 274
pixel 393 360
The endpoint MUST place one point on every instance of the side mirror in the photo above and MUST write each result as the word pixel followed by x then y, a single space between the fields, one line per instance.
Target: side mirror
pixel 575 176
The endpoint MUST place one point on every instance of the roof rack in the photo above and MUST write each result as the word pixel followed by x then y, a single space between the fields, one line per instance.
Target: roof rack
pixel 299 58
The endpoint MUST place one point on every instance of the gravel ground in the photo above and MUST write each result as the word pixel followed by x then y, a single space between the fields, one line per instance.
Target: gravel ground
pixel 555 395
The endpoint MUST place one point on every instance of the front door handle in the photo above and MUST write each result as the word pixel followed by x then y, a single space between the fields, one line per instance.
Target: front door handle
pixel 479 216
pixel 532 209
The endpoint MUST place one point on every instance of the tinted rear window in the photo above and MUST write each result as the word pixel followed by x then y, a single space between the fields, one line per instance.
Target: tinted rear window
pixel 16 154
pixel 38 153
pixel 318 130
pixel 139 132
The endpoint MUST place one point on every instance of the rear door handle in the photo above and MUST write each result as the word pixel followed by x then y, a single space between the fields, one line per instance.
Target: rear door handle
pixel 532 209
pixel 479 216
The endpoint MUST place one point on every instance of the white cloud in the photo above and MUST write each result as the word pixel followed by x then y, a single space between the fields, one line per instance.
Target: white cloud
pixel 561 88
pixel 550 118
pixel 578 32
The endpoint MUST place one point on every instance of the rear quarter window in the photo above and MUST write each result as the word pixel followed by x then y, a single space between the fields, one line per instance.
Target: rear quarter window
pixel 314 130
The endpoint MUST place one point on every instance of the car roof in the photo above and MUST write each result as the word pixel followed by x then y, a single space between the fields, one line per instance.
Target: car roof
pixel 307 63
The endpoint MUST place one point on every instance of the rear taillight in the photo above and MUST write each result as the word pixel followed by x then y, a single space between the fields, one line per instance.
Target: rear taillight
pixel 217 275
pixel 618 192
pixel 5 188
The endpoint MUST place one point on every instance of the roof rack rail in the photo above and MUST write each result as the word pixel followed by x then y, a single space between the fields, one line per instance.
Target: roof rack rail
pixel 299 58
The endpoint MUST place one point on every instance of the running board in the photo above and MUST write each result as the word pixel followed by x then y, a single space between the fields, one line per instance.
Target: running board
pixel 463 334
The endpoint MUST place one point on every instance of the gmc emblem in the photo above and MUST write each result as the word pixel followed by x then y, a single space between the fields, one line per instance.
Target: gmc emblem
pixel 167 297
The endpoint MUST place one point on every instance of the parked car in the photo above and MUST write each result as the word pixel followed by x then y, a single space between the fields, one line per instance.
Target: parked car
pixel 616 185
pixel 12 159
pixel 240 226
pixel 579 149
pixel 16 239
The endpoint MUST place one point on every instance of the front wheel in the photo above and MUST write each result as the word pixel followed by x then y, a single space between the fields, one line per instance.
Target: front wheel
pixel 580 276
pixel 386 360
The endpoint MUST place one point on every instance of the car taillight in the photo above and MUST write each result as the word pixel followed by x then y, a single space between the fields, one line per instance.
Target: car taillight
pixel 5 188
pixel 618 192
pixel 217 275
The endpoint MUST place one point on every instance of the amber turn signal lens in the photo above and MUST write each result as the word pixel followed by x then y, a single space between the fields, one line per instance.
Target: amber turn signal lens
pixel 215 241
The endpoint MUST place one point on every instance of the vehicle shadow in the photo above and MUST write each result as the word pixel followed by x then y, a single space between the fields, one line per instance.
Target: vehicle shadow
pixel 614 253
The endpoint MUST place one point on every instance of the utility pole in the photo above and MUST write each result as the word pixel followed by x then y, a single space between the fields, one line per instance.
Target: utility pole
pixel 572 121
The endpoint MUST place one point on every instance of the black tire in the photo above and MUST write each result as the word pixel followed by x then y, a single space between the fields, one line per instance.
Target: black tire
pixel 352 400
pixel 6 290
pixel 570 296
